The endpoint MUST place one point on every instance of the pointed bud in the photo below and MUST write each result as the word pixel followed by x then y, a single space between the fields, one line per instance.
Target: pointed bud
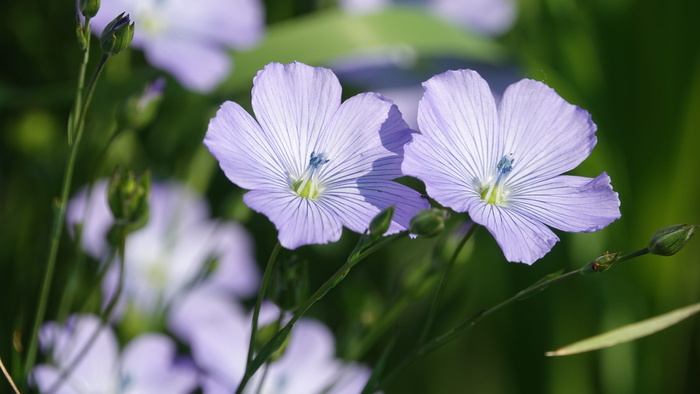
pixel 429 222
pixel 139 111
pixel 601 264
pixel 128 198
pixel 89 8
pixel 670 240
pixel 117 36
pixel 380 224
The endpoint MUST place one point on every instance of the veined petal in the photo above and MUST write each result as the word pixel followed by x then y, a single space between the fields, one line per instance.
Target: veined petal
pixel 299 221
pixel 546 135
pixel 447 178
pixel 521 238
pixel 197 66
pixel 293 103
pixel 458 113
pixel 244 151
pixel 366 134
pixel 358 204
pixel 571 203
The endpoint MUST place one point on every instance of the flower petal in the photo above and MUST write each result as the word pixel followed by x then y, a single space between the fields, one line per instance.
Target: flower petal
pixel 245 152
pixel 448 179
pixel 571 203
pixel 358 204
pixel 458 113
pixel 366 135
pixel 521 238
pixel 197 66
pixel 293 103
pixel 299 221
pixel 546 135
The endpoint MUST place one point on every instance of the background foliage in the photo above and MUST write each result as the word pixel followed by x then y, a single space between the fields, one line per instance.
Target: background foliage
pixel 634 64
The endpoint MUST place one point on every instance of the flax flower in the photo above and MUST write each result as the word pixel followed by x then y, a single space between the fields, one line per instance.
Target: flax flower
pixel 189 39
pixel 148 364
pixel 503 163
pixel 218 332
pixel 312 164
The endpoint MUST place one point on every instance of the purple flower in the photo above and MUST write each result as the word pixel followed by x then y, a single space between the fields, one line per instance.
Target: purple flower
pixel 314 165
pixel 171 251
pixel 146 365
pixel 218 332
pixel 489 17
pixel 503 164
pixel 189 39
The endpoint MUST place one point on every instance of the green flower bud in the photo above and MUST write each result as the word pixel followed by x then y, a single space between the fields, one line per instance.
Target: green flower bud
pixel 601 264
pixel 128 198
pixel 380 224
pixel 117 36
pixel 429 222
pixel 670 240
pixel 265 335
pixel 89 8
pixel 289 285
pixel 139 111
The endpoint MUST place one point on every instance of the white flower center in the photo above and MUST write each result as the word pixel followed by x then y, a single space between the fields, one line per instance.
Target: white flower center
pixel 492 191
pixel 307 184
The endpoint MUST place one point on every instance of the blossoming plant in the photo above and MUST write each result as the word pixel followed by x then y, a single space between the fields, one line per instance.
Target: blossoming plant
pixel 314 165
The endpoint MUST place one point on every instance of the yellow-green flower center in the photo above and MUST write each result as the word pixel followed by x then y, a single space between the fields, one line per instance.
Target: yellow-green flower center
pixel 494 192
pixel 307 185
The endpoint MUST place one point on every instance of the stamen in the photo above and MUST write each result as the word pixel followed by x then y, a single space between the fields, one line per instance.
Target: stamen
pixel 307 184
pixel 494 193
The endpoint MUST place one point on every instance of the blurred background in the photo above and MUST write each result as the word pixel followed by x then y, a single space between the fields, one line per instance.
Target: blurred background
pixel 633 64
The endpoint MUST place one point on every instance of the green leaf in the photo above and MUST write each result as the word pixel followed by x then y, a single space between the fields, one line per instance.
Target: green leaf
pixel 322 36
pixel 629 332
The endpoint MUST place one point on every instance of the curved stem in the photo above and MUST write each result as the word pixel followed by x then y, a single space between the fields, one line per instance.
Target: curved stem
pixel 256 314
pixel 59 219
pixel 358 254
pixel 440 291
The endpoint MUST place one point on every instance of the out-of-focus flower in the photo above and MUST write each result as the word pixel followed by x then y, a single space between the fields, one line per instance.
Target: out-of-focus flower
pixel 218 332
pixel 503 164
pixel 147 364
pixel 189 39
pixel 488 17
pixel 171 251
pixel 314 165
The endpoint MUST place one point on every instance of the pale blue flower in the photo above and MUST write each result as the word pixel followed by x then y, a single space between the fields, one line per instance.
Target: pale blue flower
pixel 312 164
pixel 171 252
pixel 189 39
pixel 148 364
pixel 503 163
pixel 218 330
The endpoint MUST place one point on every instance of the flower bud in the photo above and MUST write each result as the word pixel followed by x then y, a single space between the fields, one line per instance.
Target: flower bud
pixel 429 222
pixel 670 240
pixel 139 111
pixel 601 264
pixel 89 8
pixel 117 36
pixel 380 224
pixel 128 198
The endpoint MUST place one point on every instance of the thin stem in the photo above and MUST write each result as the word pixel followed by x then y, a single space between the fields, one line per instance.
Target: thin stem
pixel 261 297
pixel 440 291
pixel 632 255
pixel 107 314
pixel 59 219
pixel 8 377
pixel 358 254
pixel 469 323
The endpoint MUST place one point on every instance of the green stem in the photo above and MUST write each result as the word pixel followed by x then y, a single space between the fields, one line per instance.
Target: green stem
pixel 632 255
pixel 469 323
pixel 58 224
pixel 440 291
pixel 358 254
pixel 256 314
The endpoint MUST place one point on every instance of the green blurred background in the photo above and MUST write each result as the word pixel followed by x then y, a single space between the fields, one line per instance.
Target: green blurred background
pixel 634 65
